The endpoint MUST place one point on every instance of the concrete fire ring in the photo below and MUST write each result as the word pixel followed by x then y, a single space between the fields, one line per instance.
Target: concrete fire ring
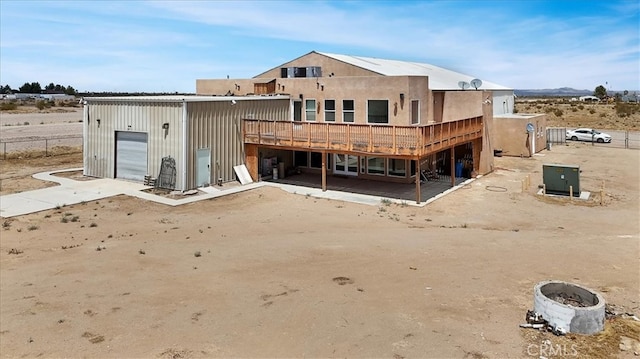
pixel 586 318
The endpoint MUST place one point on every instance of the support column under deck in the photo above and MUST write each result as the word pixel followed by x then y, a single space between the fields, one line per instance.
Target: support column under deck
pixel 324 171
pixel 418 193
pixel 251 160
pixel 453 166
pixel 476 148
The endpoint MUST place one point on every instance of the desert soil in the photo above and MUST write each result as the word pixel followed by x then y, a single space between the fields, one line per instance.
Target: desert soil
pixel 270 274
pixel 265 273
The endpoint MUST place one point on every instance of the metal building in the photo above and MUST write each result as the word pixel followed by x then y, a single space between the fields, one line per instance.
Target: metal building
pixel 198 138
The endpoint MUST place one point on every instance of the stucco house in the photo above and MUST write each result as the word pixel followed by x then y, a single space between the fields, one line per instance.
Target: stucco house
pixel 329 114
pixel 370 118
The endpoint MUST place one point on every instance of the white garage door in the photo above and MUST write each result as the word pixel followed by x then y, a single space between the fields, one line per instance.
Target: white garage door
pixel 131 155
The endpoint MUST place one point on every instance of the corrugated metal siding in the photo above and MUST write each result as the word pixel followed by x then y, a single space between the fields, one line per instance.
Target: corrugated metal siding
pixel 217 125
pixel 147 117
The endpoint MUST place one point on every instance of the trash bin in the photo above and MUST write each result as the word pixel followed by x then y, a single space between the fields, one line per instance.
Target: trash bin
pixel 459 167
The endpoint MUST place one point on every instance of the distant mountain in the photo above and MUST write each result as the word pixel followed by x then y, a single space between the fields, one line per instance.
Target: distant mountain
pixel 563 91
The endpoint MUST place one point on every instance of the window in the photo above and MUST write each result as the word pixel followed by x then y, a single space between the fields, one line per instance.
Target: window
pixel 300 72
pixel 310 108
pixel 397 167
pixel 297 110
pixel 300 159
pixel 415 112
pixel 347 111
pixel 311 71
pixel 378 111
pixel 375 165
pixel 316 160
pixel 330 110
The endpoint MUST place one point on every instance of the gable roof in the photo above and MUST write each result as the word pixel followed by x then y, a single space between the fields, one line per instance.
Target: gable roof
pixel 439 78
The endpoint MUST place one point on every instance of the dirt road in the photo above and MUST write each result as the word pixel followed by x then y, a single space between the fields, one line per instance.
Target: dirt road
pixel 270 274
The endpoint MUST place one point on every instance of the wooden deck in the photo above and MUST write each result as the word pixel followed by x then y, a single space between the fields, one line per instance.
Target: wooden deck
pixel 414 141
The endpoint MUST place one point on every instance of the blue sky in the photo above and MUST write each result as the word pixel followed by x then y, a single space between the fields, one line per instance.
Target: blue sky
pixel 164 46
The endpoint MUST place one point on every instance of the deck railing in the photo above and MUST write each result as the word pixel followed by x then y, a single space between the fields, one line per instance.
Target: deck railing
pixel 362 138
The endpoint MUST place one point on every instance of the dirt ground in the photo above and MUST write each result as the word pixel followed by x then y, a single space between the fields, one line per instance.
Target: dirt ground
pixel 270 274
pixel 601 116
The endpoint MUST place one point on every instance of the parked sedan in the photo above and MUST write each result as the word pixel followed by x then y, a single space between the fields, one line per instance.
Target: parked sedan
pixel 588 134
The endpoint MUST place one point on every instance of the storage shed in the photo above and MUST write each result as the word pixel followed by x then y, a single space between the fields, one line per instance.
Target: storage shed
pixel 185 141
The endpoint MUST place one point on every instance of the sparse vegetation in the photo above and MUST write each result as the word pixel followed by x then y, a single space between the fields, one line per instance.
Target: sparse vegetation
pixel 32 227
pixel 8 106
pixel 564 113
pixel 385 201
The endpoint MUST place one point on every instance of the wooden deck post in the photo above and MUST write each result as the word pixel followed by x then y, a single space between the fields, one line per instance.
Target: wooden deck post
pixel 324 171
pixel 395 149
pixel 251 160
pixel 476 148
pixel 259 135
pixel 453 166
pixel 327 134
pixel 418 192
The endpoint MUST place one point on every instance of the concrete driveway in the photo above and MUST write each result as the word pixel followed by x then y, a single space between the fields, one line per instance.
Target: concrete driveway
pixel 71 192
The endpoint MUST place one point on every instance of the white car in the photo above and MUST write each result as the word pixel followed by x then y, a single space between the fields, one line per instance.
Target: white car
pixel 588 134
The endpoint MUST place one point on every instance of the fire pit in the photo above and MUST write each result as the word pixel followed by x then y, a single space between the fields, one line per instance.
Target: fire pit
pixel 569 308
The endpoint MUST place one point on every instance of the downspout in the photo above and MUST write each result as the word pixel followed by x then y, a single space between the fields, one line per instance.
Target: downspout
pixel 85 141
pixel 185 138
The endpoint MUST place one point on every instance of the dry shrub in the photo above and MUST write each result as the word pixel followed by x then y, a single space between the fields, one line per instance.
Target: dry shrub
pixel 602 345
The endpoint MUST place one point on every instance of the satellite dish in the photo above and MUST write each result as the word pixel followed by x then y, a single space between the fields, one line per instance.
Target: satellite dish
pixel 476 83
pixel 530 127
pixel 463 85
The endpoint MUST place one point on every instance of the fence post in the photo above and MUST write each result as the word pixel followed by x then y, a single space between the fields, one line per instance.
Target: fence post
pixel 626 139
pixel 4 152
pixel 46 147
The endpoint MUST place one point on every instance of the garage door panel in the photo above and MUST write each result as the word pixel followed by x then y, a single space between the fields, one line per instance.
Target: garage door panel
pixel 131 155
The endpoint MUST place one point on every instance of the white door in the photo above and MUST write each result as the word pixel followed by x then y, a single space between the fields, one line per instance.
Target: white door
pixel 203 167
pixel 345 164
pixel 131 155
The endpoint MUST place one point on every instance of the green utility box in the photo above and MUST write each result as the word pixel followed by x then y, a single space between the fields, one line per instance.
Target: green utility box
pixel 559 178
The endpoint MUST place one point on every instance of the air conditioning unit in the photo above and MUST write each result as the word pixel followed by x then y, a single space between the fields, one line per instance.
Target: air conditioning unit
pixel 561 179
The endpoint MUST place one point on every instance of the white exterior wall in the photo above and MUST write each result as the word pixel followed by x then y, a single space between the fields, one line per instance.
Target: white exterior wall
pixel 503 102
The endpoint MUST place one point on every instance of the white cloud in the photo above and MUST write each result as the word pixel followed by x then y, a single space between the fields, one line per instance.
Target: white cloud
pixel 162 44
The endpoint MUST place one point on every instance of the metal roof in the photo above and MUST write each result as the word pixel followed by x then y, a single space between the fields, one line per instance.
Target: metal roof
pixel 439 78
pixel 182 98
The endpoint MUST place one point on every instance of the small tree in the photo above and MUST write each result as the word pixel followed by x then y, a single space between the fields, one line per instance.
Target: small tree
pixel 600 92
pixel 33 87
pixel 70 91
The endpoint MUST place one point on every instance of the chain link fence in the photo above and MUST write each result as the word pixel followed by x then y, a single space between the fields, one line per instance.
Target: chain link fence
pixel 619 139
pixel 41 146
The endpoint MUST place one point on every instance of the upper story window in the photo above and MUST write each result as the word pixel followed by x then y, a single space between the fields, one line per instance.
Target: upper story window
pixel 330 110
pixel 348 111
pixel 310 110
pixel 309 71
pixel 415 112
pixel 378 111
